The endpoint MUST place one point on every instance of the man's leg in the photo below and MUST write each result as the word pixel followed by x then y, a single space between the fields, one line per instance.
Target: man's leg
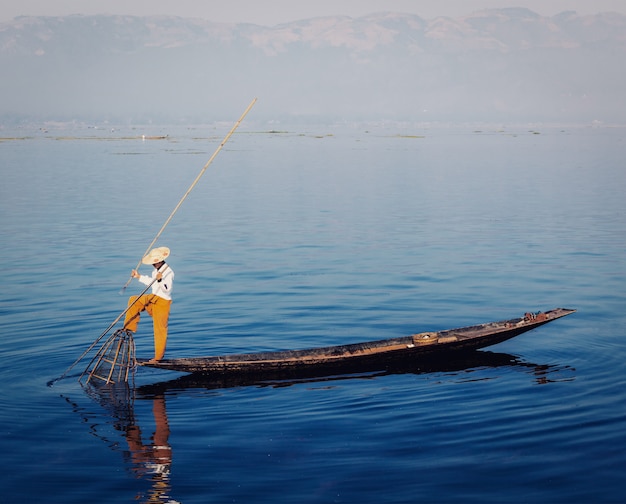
pixel 160 311
pixel 137 304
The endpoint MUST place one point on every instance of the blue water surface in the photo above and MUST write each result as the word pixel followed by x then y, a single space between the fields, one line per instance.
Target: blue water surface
pixel 313 236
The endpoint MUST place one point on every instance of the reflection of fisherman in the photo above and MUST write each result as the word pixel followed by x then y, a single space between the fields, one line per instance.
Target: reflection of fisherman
pixel 156 304
pixel 154 459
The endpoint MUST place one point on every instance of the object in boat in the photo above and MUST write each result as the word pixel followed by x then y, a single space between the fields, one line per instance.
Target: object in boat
pixel 355 356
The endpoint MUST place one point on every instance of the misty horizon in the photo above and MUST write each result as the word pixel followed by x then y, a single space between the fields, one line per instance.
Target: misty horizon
pixel 500 65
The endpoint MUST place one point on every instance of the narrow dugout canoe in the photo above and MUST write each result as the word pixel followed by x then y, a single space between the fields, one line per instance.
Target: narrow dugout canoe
pixel 370 355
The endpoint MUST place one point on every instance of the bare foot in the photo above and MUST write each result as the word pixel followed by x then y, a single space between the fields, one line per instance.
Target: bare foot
pixel 152 361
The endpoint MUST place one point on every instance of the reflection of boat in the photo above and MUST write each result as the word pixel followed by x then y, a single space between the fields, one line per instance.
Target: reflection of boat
pixel 458 363
pixel 373 355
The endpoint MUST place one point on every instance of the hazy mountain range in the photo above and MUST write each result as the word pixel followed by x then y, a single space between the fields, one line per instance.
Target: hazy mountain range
pixel 504 65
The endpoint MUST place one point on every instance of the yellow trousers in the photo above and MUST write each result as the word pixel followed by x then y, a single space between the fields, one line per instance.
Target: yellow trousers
pixel 159 309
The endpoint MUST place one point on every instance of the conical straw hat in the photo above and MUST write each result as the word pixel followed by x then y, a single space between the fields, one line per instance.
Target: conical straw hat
pixel 156 255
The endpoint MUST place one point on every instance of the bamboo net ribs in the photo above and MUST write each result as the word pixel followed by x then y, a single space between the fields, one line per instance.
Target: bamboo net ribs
pixel 114 361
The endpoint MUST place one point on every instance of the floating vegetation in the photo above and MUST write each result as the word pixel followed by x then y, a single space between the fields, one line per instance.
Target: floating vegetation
pixel 69 138
pixel 111 139
pixel 15 139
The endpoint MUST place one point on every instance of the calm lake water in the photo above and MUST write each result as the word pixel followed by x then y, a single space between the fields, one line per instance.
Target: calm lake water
pixel 312 236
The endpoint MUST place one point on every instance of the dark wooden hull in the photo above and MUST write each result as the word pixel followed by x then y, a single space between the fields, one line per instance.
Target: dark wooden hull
pixel 360 356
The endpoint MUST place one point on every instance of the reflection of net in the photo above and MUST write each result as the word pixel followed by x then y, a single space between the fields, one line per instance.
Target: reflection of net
pixel 114 360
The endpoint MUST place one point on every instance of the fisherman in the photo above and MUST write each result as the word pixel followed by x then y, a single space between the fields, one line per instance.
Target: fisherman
pixel 156 304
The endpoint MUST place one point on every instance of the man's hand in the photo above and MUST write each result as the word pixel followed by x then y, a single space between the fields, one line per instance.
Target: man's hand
pixel 134 274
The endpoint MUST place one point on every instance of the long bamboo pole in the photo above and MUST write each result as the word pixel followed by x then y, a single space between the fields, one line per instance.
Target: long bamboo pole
pixel 204 169
pixel 208 163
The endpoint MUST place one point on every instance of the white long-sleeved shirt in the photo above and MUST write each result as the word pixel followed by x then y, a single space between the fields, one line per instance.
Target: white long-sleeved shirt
pixel 163 289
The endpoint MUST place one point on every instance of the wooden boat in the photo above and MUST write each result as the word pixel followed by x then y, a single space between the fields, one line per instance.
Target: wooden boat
pixel 358 356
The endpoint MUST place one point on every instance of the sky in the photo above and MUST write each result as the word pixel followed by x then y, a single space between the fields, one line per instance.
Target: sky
pixel 273 12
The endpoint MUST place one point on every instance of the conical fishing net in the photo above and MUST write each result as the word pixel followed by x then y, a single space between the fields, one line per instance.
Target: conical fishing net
pixel 114 361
